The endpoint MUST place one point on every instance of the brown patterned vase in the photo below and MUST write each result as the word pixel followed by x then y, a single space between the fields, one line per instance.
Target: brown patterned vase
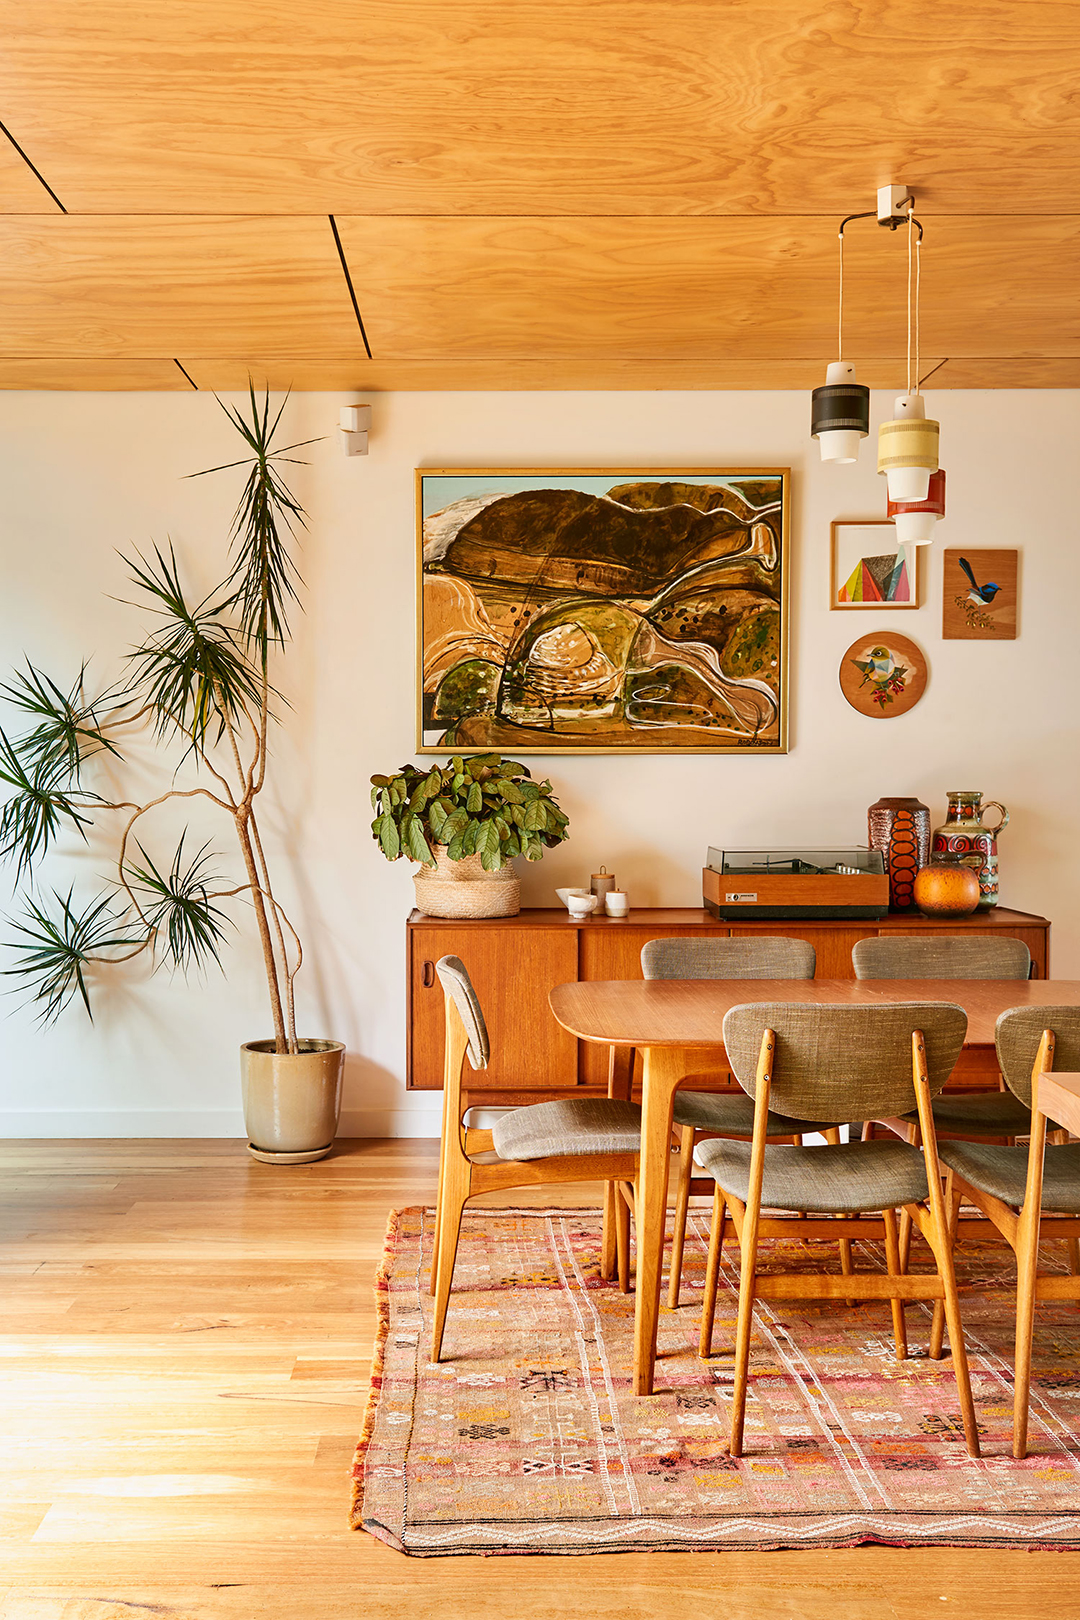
pixel 900 828
pixel 965 837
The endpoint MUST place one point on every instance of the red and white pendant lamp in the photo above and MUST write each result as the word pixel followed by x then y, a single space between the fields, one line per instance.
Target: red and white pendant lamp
pixel 908 443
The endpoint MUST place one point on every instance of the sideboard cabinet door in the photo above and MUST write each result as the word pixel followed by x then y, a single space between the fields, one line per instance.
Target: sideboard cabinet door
pixel 513 971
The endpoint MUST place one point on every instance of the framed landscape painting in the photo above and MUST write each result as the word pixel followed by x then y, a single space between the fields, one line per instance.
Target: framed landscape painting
pixel 608 611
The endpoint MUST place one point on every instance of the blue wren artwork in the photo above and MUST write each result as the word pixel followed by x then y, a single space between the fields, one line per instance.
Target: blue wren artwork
pixel 979 597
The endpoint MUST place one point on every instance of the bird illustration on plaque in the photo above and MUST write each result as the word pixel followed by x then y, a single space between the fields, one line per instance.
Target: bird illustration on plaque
pixel 883 675
pixel 979 596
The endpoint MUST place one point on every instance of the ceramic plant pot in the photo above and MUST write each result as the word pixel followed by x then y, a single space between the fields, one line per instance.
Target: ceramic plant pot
pixel 291 1101
pixel 464 889
pixel 946 888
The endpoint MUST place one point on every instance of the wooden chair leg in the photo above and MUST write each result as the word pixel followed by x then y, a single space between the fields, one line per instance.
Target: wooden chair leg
pixel 952 1211
pixel 456 1185
pixel 832 1136
pixel 947 1273
pixel 906 1224
pixel 682 1209
pixel 608 1255
pixel 712 1272
pixel 748 1244
pixel 1027 1266
pixel 622 1238
pixel 892 1260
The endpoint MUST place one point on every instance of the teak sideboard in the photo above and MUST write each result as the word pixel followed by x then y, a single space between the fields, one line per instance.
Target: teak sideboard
pixel 515 961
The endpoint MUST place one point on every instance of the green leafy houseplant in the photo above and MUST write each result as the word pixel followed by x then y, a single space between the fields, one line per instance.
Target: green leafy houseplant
pixel 484 805
pixel 199 680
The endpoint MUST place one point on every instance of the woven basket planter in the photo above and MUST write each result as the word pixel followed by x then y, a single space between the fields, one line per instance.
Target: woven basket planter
pixel 464 889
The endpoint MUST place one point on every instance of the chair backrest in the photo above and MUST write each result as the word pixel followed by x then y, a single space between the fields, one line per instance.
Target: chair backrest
pixel 943 956
pixel 728 959
pixel 457 984
pixel 844 1062
pixel 1017 1035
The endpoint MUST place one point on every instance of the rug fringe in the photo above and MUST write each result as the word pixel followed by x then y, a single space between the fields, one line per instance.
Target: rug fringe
pixel 382 1311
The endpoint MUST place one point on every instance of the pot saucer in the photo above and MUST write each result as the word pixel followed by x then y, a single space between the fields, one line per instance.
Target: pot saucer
pixel 308 1156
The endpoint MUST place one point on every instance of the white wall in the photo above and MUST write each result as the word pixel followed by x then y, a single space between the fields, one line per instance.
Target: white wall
pixel 81 475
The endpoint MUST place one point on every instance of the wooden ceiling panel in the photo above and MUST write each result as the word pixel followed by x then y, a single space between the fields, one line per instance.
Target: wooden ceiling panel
pixel 136 288
pixel 376 376
pixel 545 106
pixel 685 289
pixel 74 372
pixel 21 192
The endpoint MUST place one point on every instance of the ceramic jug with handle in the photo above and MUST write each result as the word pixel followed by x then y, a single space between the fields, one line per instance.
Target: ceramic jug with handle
pixel 965 835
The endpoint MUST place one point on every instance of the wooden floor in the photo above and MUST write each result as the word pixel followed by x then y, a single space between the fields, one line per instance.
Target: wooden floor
pixel 186 1338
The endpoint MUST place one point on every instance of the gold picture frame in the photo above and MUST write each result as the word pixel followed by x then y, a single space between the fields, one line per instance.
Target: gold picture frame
pixel 602 610
pixel 849 540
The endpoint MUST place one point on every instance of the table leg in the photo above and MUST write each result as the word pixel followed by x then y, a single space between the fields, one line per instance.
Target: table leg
pixel 664 1067
pixel 620 1075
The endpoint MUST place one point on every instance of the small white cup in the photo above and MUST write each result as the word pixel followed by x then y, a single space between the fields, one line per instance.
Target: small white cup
pixel 564 894
pixel 617 903
pixel 581 905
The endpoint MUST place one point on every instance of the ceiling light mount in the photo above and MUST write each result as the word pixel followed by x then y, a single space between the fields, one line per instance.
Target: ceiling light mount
pixel 894 204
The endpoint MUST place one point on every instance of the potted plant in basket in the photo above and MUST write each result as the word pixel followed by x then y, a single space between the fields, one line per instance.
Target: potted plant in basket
pixel 464 822
pixel 200 681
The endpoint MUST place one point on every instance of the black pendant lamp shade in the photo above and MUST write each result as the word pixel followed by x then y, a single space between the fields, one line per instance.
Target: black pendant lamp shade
pixel 841 407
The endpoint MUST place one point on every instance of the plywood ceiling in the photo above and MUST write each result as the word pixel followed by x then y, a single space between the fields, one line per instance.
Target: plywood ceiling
pixel 605 193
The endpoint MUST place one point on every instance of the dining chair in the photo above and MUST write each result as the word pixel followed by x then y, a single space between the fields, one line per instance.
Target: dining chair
pixel 812 1062
pixel 698 1113
pixel 952 956
pixel 570 1139
pixel 1012 1186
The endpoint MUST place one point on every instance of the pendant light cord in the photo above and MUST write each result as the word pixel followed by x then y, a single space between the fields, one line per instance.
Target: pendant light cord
pixel 840 314
pixel 918 288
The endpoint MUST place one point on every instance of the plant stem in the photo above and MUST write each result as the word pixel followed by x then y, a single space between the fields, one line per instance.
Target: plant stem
pixel 281 1043
pixel 274 909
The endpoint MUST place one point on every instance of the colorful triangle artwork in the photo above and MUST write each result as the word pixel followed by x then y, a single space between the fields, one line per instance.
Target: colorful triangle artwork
pixel 877 579
pixel 851 590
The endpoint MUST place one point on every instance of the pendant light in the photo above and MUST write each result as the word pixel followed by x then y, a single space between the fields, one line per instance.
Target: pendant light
pixel 908 444
pixel 915 520
pixel 840 410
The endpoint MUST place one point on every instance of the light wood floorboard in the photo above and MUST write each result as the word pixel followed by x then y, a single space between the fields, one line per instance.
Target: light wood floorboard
pixel 185 1339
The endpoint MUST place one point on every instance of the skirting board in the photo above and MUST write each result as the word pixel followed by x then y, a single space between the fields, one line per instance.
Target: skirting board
pixel 60 1123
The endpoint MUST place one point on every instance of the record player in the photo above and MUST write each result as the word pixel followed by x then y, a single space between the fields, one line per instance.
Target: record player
pixel 793 883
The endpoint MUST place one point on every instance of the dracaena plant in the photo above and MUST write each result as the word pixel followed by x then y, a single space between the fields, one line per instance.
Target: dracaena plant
pixel 200 681
pixel 484 805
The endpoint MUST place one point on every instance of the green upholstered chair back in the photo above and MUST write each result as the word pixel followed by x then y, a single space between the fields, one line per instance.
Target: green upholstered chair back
pixel 457 984
pixel 835 1063
pixel 1017 1036
pixel 728 959
pixel 944 956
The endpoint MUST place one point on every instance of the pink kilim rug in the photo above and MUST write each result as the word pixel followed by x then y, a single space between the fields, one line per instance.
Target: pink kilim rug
pixel 527 1439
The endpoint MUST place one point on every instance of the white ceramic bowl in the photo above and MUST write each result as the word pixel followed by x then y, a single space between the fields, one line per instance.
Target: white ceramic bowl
pixel 564 894
pixel 580 905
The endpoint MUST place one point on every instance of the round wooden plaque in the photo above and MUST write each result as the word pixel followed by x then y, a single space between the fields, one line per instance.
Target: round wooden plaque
pixel 883 675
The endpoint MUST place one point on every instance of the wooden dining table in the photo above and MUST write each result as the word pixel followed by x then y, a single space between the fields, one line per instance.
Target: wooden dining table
pixel 678 1027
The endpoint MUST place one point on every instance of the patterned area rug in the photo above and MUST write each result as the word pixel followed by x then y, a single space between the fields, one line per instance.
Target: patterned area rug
pixel 527 1438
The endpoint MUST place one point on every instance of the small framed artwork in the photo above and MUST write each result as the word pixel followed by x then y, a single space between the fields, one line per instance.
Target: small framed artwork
pixel 602 610
pixel 979 596
pixel 869 570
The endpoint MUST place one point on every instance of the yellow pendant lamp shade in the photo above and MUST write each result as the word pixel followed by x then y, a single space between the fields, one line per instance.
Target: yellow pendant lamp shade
pixel 908 449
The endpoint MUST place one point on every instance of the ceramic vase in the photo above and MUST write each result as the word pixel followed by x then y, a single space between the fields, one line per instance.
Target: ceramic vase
pixel 463 889
pixel 900 828
pixel 965 836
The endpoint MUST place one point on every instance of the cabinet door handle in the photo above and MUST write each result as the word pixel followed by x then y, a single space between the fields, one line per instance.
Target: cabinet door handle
pixel 427 975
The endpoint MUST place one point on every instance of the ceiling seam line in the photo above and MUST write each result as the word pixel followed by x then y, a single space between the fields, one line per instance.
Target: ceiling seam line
pixel 349 284
pixel 187 374
pixel 33 168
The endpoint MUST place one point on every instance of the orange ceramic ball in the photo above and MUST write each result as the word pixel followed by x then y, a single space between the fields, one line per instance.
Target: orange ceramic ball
pixel 946 889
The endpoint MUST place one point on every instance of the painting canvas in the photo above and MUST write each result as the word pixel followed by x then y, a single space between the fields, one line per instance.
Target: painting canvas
pixel 603 611
pixel 869 569
pixel 979 596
